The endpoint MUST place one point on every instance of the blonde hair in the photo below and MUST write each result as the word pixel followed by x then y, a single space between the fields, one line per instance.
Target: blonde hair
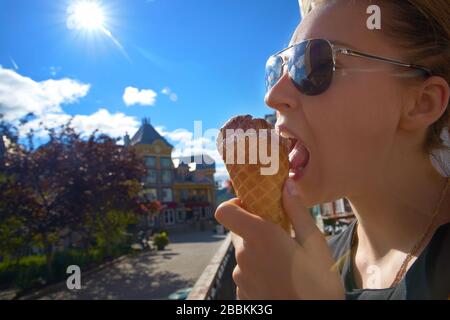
pixel 422 29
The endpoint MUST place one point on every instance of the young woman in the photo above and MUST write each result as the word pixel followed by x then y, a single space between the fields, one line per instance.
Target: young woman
pixel 367 108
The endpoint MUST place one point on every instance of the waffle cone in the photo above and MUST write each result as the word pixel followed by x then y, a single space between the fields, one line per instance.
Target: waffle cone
pixel 259 194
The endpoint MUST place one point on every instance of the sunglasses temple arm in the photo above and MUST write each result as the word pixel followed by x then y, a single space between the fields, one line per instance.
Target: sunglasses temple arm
pixel 354 53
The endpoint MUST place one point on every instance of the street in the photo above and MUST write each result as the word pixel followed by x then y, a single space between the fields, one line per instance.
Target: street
pixel 147 275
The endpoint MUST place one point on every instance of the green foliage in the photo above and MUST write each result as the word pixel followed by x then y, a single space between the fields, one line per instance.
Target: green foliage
pixel 161 240
pixel 26 272
pixel 32 271
pixel 110 230
pixel 11 239
pixel 88 186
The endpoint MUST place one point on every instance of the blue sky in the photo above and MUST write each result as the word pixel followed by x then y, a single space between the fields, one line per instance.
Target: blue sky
pixel 208 55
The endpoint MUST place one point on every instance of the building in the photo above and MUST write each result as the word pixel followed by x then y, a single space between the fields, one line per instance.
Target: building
pixel 185 185
pixel 335 216
pixel 271 118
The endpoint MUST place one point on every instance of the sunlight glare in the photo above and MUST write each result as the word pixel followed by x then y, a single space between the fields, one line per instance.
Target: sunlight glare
pixel 88 15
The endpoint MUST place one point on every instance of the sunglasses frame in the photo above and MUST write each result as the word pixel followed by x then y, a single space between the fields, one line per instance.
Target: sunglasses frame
pixel 349 52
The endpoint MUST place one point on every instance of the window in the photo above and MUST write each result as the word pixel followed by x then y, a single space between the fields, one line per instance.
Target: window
pixel 347 206
pixel 339 205
pixel 203 213
pixel 166 163
pixel 152 176
pixel 327 208
pixel 197 212
pixel 169 217
pixel 151 194
pixel 202 194
pixel 166 176
pixel 184 194
pixel 180 215
pixel 150 162
pixel 167 195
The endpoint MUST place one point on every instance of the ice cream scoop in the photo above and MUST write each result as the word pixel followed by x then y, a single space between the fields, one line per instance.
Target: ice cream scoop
pixel 243 143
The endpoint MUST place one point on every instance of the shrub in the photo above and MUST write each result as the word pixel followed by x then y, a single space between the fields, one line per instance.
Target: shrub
pixel 161 240
pixel 28 271
pixel 31 271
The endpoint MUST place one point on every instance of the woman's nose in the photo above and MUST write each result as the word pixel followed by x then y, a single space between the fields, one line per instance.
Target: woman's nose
pixel 283 95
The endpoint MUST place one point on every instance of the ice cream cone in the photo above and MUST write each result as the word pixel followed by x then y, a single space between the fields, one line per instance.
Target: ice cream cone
pixel 260 194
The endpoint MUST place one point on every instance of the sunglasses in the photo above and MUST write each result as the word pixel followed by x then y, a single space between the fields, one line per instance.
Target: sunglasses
pixel 311 64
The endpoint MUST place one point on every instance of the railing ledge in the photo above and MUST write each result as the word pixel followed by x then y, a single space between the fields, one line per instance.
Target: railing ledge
pixel 212 278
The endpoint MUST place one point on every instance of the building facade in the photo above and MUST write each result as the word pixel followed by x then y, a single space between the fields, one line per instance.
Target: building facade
pixel 185 186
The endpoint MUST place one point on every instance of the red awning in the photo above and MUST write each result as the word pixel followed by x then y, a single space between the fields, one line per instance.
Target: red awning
pixel 170 205
pixel 192 204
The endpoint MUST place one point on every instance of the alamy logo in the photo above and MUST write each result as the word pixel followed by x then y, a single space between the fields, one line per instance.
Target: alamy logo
pixel 74 280
pixel 234 145
pixel 374 279
pixel 258 148
pixel 374 21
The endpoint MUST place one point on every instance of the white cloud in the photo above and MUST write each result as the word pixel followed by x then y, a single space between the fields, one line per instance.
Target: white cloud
pixel 20 95
pixel 168 92
pixel 185 145
pixel 178 135
pixel 173 97
pixel 145 97
pixel 114 125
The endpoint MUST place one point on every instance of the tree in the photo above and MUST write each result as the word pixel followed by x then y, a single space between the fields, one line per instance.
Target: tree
pixel 68 183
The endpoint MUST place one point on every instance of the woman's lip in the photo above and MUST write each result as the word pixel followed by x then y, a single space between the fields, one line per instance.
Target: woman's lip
pixel 298 160
pixel 282 128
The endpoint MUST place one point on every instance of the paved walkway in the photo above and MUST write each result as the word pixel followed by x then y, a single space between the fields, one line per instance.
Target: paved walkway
pixel 149 275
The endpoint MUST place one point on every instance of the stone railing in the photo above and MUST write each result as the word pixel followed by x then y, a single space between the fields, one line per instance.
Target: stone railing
pixel 216 282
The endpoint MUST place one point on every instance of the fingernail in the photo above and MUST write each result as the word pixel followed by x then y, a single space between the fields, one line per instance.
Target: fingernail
pixel 291 187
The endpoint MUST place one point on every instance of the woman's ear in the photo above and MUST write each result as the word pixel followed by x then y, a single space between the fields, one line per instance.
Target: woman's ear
pixel 424 104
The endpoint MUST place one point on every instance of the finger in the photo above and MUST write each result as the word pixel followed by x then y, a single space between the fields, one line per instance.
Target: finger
pixel 237 276
pixel 238 279
pixel 246 225
pixel 240 295
pixel 236 240
pixel 306 231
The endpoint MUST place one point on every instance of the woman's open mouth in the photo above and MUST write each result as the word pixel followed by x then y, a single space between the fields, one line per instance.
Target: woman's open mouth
pixel 299 154
pixel 298 160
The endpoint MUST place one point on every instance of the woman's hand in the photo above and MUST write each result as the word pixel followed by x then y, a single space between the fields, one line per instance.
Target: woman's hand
pixel 273 265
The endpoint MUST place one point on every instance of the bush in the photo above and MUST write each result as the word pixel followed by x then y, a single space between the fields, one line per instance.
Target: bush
pixel 28 272
pixel 32 271
pixel 161 240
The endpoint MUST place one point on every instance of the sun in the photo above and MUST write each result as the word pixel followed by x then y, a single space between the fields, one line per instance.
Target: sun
pixel 87 15
pixel 90 18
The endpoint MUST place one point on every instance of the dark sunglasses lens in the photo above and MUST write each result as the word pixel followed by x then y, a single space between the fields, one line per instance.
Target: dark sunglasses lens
pixel 273 71
pixel 311 66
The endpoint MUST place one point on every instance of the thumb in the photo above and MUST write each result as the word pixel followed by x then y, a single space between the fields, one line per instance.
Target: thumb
pixel 306 232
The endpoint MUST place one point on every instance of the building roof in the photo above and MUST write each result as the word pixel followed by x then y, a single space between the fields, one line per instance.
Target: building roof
pixel 205 161
pixel 147 134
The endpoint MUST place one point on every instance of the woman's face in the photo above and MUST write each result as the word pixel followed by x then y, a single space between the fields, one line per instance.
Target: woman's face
pixel 350 129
